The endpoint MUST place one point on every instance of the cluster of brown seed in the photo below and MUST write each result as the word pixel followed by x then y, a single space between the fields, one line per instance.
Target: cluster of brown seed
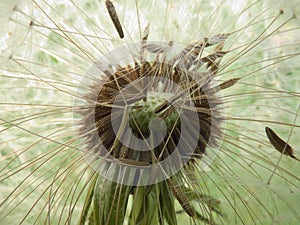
pixel 131 88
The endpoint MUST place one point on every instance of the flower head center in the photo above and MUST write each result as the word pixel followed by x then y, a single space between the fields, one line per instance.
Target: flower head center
pixel 143 118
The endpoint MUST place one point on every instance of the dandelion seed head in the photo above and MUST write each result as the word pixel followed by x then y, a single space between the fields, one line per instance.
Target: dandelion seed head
pixel 50 53
pixel 139 82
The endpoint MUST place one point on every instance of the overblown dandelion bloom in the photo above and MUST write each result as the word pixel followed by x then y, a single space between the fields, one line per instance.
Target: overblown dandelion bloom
pixel 149 112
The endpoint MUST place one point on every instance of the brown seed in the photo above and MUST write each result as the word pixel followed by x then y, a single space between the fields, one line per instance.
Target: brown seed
pixel 211 58
pixel 224 85
pixel 114 17
pixel 146 34
pixel 279 144
pixel 229 83
pixel 182 199
pixel 155 48
pixel 133 162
